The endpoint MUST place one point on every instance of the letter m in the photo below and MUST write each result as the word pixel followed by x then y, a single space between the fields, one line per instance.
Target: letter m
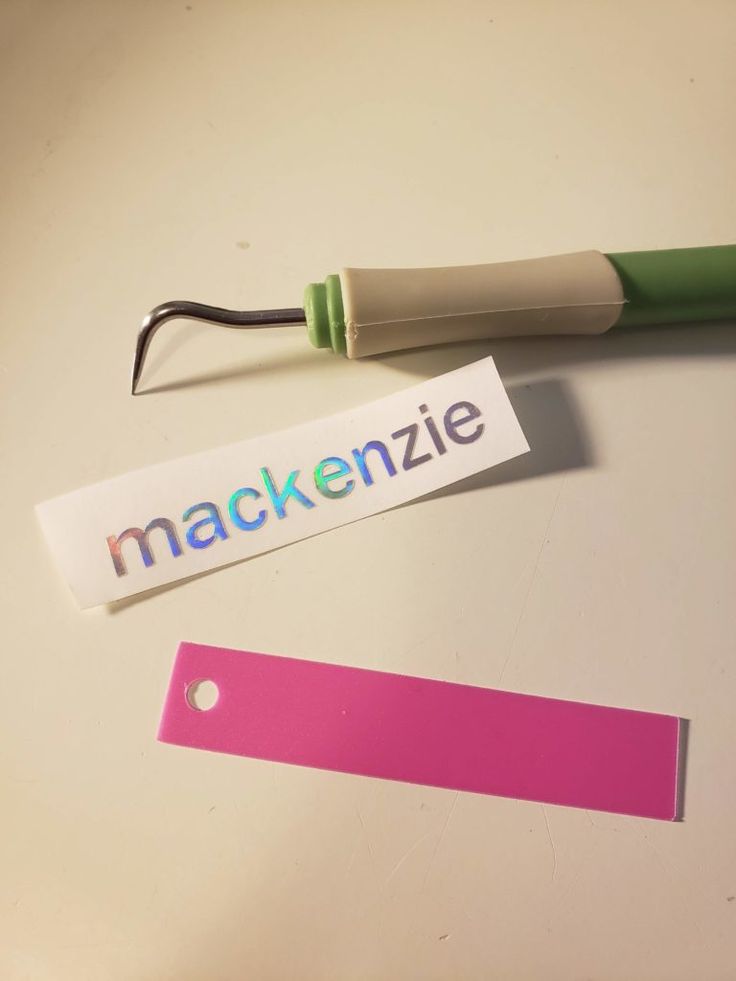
pixel 114 543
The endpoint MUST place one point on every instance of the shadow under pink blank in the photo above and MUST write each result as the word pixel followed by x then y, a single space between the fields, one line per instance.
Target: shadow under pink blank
pixel 417 730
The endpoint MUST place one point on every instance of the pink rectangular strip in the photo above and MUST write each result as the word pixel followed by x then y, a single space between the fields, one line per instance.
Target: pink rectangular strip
pixel 427 732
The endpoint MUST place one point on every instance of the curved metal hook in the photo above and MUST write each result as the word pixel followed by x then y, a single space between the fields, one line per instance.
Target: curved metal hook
pixel 186 310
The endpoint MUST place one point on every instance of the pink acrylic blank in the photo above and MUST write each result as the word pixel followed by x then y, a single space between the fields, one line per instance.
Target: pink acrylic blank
pixel 422 731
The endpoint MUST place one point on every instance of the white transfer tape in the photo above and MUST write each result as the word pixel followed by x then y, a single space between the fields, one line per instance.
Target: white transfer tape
pixel 176 519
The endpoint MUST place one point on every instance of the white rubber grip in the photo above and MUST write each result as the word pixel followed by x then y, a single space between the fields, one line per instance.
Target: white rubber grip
pixel 393 309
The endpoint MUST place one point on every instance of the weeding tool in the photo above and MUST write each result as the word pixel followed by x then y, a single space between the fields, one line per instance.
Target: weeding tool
pixel 363 312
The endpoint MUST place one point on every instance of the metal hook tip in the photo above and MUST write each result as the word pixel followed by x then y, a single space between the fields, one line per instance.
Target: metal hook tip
pixel 186 310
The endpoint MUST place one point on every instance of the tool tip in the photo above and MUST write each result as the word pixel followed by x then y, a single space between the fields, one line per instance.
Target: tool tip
pixel 140 347
pixel 213 315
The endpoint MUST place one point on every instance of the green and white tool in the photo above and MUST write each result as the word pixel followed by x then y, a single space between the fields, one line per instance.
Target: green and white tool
pixel 362 312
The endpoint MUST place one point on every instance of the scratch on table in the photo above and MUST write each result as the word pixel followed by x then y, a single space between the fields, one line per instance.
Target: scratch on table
pixel 442 834
pixel 405 856
pixel 365 831
pixel 354 852
pixel 551 843
pixel 676 885
pixel 660 861
pixel 533 579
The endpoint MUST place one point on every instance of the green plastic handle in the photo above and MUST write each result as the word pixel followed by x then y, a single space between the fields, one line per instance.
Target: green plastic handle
pixel 324 313
pixel 676 285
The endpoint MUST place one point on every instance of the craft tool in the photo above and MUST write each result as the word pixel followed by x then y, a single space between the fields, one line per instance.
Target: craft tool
pixel 363 312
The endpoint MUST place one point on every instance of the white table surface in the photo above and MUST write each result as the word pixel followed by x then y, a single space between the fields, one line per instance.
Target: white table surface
pixel 231 152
